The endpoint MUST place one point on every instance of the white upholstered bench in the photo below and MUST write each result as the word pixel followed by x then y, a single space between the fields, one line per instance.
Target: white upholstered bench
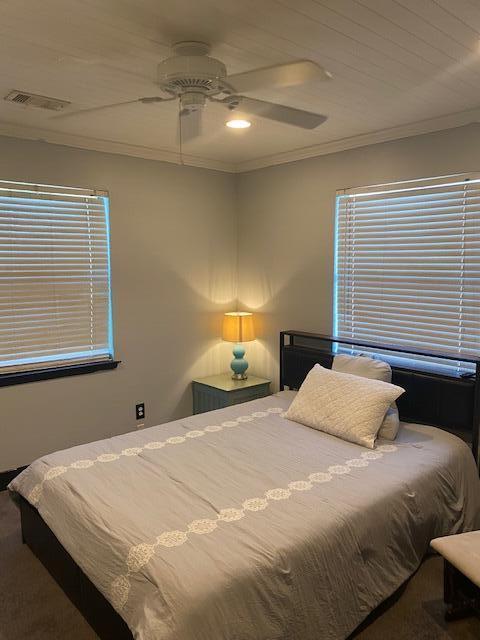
pixel 461 554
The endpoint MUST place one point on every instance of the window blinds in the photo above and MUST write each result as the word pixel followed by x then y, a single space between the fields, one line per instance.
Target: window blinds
pixel 408 266
pixel 54 276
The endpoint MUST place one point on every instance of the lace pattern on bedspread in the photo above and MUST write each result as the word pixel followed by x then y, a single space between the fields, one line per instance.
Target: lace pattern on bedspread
pixel 139 555
pixel 54 472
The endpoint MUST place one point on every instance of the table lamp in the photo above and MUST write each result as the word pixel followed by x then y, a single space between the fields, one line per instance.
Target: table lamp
pixel 238 327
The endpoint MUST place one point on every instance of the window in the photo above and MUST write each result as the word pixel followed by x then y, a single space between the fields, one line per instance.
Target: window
pixel 55 306
pixel 408 267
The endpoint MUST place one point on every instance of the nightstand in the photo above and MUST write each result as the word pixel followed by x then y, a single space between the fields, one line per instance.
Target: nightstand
pixel 216 392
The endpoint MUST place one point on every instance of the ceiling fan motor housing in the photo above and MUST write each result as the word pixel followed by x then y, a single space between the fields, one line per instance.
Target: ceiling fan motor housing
pixel 192 74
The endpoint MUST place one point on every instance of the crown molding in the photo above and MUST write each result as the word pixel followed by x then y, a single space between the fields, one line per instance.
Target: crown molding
pixel 431 125
pixel 450 121
pixel 14 130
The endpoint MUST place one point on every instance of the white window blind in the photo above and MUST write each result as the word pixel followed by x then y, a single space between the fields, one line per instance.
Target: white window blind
pixel 408 266
pixel 54 276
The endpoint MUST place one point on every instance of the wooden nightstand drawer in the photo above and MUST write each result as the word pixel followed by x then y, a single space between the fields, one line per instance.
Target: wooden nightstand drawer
pixel 216 392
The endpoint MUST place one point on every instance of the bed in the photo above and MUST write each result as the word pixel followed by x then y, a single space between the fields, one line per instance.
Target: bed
pixel 239 524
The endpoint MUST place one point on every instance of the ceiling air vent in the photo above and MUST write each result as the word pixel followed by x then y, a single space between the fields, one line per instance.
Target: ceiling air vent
pixel 33 100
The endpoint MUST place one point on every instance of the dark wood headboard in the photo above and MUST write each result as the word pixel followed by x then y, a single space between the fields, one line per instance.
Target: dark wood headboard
pixel 451 403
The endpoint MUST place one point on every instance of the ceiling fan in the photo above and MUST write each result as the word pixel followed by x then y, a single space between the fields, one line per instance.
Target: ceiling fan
pixel 193 77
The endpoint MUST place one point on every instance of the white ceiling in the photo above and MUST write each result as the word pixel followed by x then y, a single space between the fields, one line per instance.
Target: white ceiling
pixel 400 67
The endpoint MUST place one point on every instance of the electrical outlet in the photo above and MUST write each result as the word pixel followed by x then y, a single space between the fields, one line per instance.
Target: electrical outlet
pixel 140 411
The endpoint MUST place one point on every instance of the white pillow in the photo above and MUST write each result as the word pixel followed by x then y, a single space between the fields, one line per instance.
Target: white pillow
pixel 344 405
pixel 375 370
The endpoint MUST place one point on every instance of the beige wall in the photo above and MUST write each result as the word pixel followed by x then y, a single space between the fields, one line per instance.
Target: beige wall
pixel 173 252
pixel 286 227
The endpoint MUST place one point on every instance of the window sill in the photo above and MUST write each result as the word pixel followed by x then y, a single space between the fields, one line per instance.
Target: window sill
pixel 22 377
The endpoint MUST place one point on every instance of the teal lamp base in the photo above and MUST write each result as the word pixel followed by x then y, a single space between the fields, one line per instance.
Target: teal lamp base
pixel 239 365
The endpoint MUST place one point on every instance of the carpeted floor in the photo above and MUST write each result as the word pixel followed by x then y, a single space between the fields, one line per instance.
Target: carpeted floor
pixel 33 607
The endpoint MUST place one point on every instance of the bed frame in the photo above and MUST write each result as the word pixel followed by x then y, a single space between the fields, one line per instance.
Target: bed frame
pixel 94 607
pixel 446 402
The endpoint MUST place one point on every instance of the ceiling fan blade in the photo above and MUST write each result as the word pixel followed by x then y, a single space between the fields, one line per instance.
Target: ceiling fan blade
pixel 281 113
pixel 190 125
pixel 279 75
pixel 80 112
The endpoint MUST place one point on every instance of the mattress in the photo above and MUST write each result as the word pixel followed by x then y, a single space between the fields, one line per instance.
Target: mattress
pixel 239 524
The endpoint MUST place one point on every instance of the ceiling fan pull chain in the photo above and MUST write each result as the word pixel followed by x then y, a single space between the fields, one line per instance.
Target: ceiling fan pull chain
pixel 180 131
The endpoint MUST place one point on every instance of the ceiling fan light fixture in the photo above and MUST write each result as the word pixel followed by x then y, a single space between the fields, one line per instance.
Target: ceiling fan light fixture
pixel 238 123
